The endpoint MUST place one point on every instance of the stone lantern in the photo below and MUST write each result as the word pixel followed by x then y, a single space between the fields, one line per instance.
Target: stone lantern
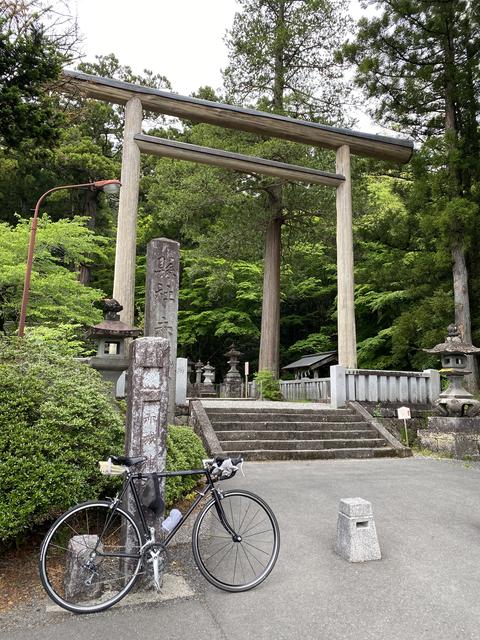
pixel 455 400
pixel 109 337
pixel 233 379
pixel 456 430
pixel 208 375
pixel 198 372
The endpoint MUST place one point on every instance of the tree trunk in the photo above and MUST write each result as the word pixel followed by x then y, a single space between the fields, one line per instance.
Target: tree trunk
pixel 269 358
pixel 459 266
pixel 462 309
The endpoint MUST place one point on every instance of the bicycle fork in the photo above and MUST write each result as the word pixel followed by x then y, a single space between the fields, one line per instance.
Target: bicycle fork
pixel 223 518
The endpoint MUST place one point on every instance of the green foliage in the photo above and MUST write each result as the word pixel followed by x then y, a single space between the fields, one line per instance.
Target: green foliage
pixel 56 295
pixel 282 56
pixel 403 289
pixel 57 419
pixel 29 59
pixel 457 219
pixel 220 300
pixel 409 54
pixel 267 385
pixel 184 451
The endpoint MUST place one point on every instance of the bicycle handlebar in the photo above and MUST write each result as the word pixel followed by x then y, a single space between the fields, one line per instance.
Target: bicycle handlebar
pixel 223 468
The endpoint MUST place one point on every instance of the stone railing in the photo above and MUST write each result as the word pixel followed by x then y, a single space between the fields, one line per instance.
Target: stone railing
pixel 316 389
pixel 371 385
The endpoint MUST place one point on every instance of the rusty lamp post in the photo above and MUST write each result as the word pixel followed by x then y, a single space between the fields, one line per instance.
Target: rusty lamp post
pixel 109 186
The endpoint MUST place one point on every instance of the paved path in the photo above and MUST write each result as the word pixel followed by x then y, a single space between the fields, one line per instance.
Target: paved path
pixel 427 586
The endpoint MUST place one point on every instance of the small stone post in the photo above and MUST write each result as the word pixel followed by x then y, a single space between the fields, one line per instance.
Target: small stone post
pixel 161 302
pixel 181 381
pixel 356 532
pixel 338 388
pixel 147 408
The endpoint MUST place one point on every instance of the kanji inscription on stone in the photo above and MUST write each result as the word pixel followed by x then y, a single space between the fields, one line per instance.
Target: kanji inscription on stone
pixel 161 301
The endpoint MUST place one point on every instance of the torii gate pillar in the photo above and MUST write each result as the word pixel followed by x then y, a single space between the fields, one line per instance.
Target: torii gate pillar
pixel 124 279
pixel 347 341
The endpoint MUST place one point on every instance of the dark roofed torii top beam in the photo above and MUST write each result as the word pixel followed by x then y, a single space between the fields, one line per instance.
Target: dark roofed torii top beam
pixel 233 117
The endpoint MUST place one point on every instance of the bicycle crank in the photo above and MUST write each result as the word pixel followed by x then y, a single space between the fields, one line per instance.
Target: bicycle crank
pixel 157 560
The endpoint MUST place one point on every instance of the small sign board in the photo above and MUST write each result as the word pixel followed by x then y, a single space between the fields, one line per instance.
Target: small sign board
pixel 247 368
pixel 403 413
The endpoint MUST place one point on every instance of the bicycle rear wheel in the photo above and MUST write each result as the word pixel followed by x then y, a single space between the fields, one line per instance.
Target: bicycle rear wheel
pixel 241 564
pixel 90 557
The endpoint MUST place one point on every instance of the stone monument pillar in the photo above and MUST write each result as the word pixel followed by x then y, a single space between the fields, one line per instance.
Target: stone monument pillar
pixel 147 407
pixel 161 302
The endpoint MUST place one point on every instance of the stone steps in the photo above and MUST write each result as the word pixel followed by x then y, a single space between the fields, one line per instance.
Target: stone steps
pixel 273 445
pixel 315 454
pixel 297 434
pixel 216 415
pixel 278 425
pixel 284 434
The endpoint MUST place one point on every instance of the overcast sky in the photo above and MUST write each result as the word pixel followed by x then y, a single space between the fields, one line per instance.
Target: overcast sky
pixel 180 39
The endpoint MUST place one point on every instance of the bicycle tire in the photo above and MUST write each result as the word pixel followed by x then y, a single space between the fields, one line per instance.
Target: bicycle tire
pixel 236 565
pixel 77 577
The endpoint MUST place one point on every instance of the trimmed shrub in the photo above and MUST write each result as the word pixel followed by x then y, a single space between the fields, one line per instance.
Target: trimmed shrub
pixel 184 451
pixel 57 419
pixel 267 385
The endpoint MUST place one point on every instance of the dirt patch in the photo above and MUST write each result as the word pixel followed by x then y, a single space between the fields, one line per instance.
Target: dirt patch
pixel 19 580
pixel 20 585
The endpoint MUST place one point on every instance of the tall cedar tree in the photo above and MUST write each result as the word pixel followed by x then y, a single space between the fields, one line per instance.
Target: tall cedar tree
pixel 420 60
pixel 31 57
pixel 281 56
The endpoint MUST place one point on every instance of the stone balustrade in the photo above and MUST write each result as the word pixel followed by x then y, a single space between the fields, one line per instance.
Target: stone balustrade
pixel 372 385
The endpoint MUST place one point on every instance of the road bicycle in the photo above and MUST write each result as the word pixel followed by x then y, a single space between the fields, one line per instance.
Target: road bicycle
pixel 95 552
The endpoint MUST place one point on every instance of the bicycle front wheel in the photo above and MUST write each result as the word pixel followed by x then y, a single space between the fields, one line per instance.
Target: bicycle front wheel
pixel 240 562
pixel 90 557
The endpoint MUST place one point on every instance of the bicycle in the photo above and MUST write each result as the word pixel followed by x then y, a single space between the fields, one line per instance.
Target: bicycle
pixel 95 552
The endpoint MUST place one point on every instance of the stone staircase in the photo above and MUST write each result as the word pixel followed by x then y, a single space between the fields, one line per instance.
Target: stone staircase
pixel 299 434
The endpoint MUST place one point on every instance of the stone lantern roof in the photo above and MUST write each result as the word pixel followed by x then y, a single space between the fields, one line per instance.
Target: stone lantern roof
pixel 453 344
pixel 112 325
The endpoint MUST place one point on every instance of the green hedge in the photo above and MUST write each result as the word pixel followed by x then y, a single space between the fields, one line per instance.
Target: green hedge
pixel 184 451
pixel 57 420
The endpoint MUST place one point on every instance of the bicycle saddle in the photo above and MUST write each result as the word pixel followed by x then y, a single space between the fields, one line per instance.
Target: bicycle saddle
pixel 126 461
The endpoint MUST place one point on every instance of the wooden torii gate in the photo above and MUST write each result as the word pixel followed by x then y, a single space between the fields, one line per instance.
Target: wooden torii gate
pixel 343 141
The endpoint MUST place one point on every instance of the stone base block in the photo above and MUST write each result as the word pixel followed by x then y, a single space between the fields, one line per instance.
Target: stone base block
pixel 458 437
pixel 76 575
pixel 357 539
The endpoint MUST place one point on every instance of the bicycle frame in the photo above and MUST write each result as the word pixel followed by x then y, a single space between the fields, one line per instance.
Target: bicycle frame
pixel 210 488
